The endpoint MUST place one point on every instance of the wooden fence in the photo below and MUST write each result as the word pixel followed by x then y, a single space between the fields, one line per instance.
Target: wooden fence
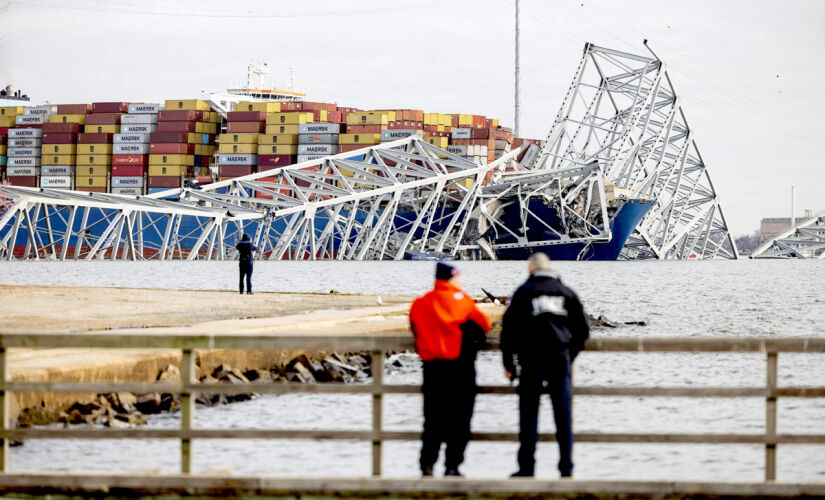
pixel 377 346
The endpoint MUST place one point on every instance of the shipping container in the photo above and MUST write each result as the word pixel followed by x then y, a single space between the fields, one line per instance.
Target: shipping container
pixel 93 170
pixel 25 143
pixel 138 118
pixel 79 119
pixel 288 118
pixel 303 158
pixel 103 119
pixel 7 121
pixel 394 135
pixel 318 149
pixel 138 128
pixel 187 104
pixel 167 170
pixel 27 161
pixel 27 181
pixel 320 128
pixel 110 107
pixel 172 148
pixel 51 138
pixel 130 138
pixel 276 160
pixel 14 152
pixel 318 139
pixel 169 137
pixel 245 127
pixel 132 181
pixel 48 170
pixel 143 108
pixel 265 107
pixel 61 128
pixel 171 159
pixel 58 149
pixel 101 129
pixel 140 160
pixel 282 129
pixel 277 149
pixel 128 170
pixel 171 115
pixel 278 139
pixel 11 110
pixel 237 159
pixel 25 132
pixel 40 110
pixel 235 170
pixel 91 181
pixel 90 189
pixel 94 149
pixel 164 182
pixel 30 119
pixel 370 118
pixel 439 142
pixel 246 116
pixel 57 182
pixel 86 159
pixel 74 109
pixel 22 171
pixel 200 127
pixel 366 129
pixel 130 149
pixel 238 148
pixel 359 138
pixel 127 191
pixel 238 138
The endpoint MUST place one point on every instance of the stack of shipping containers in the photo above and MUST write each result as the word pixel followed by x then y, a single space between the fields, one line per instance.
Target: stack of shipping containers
pixel 183 145
pixel 130 154
pixel 23 164
pixel 94 146
pixel 59 146
pixel 316 140
pixel 278 145
pixel 238 148
pixel 364 129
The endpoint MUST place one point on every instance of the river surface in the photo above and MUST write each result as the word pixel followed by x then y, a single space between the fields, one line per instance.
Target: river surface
pixel 679 299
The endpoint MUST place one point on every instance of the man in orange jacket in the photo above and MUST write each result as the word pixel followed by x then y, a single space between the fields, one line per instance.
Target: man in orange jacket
pixel 449 330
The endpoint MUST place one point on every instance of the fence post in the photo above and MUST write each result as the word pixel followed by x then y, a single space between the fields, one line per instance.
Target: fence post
pixel 377 410
pixel 187 408
pixel 770 417
pixel 4 410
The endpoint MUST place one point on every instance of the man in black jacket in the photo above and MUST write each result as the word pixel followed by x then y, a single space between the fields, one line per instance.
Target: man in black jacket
pixel 543 330
pixel 245 249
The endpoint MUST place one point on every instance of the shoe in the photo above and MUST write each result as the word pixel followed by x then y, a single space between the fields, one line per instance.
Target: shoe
pixel 241 292
pixel 452 472
pixel 249 293
pixel 522 473
pixel 427 471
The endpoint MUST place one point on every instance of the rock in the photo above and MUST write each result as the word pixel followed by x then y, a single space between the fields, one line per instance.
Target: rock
pixel 169 374
pixel 36 415
pixel 231 375
pixel 125 420
pixel 302 359
pixel 121 402
pixel 169 402
pixel 259 376
pixel 334 291
pixel 148 404
pixel 304 373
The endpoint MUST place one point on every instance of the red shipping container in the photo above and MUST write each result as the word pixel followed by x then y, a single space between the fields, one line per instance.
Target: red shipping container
pixel 177 126
pixel 203 180
pixel 171 148
pixel 91 189
pixel 167 137
pixel 276 160
pixel 4 130
pixel 103 119
pixel 110 107
pixel 346 148
pixel 164 181
pixel 180 115
pixel 93 138
pixel 29 126
pixel 127 170
pixel 365 129
pixel 246 116
pixel 235 170
pixel 59 138
pixel 74 109
pixel 142 160
pixel 61 128
pixel 23 180
pixel 246 127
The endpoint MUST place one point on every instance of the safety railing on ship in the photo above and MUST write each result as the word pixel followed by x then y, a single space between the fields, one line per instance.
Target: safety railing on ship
pixel 378 346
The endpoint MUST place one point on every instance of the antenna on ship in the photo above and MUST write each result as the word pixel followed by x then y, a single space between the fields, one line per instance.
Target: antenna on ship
pixel 259 69
pixel 289 84
pixel 516 119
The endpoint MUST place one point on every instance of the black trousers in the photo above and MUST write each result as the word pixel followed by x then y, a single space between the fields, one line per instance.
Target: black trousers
pixel 245 269
pixel 551 376
pixel 449 396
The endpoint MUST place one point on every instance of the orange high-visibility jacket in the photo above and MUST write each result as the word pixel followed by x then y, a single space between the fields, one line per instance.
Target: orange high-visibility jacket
pixel 436 320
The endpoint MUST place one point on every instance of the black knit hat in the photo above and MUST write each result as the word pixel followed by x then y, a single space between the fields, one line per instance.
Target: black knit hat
pixel 444 271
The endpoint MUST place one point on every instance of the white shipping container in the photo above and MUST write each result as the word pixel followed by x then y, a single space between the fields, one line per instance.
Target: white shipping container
pixel 57 170
pixel 129 191
pixel 135 182
pixel 460 150
pixel 319 128
pixel 143 108
pixel 24 161
pixel 395 134
pixel 24 143
pixel 131 138
pixel 238 159
pixel 143 128
pixel 25 132
pixel 317 138
pixel 461 133
pixel 530 155
pixel 318 149
pixel 302 158
pixel 63 181
pixel 22 171
pixel 130 149
pixel 16 152
pixel 502 145
pixel 30 119
pixel 132 119
pixel 481 151
pixel 40 110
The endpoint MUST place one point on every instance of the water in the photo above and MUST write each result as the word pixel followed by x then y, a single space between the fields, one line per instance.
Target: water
pixel 745 298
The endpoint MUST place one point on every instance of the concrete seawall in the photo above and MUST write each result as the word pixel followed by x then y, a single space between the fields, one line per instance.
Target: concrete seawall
pixel 64 309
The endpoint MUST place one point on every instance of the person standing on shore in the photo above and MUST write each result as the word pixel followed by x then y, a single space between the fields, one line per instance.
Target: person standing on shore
pixel 543 330
pixel 245 249
pixel 449 330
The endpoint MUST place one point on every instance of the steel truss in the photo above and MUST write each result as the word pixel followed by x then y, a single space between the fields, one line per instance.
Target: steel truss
pixel 401 196
pixel 805 241
pixel 623 113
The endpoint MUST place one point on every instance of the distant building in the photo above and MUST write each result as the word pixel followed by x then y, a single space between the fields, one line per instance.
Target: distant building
pixel 771 227
pixel 11 97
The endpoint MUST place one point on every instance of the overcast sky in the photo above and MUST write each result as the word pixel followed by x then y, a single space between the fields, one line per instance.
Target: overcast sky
pixel 750 73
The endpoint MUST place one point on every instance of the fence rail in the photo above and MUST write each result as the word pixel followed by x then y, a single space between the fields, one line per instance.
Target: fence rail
pixel 377 346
